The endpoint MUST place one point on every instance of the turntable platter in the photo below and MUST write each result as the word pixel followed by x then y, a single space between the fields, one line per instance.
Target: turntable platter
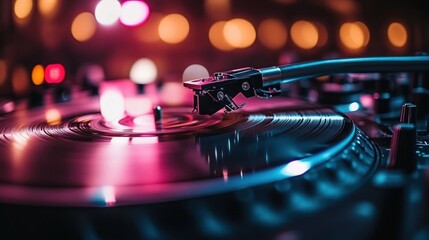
pixel 80 159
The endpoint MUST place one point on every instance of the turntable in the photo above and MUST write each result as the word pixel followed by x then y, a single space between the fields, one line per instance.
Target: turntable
pixel 279 168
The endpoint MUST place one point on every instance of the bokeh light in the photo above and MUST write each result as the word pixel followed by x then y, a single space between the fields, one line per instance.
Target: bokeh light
pixel 296 168
pixel 83 26
pixel 107 12
pixel 20 81
pixel 304 34
pixel 112 106
pixel 55 73
pixel 397 34
pixel 134 13
pixel 195 71
pixel 22 8
pixel 354 35
pixel 173 28
pixel 48 8
pixel 217 38
pixel 38 75
pixel 3 71
pixel 143 71
pixel 239 33
pixel 53 116
pixel 272 33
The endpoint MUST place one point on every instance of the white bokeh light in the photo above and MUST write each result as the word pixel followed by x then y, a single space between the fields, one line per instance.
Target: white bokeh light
pixel 134 13
pixel 195 71
pixel 143 71
pixel 112 105
pixel 107 12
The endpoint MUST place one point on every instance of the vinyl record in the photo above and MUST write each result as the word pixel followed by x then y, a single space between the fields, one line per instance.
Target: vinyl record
pixel 70 155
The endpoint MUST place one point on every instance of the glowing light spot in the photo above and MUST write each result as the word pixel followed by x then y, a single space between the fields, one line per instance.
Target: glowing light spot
pixel 112 105
pixel 53 117
pixel 48 8
pixel 144 140
pixel 55 73
pixel 119 141
pixel 83 26
pixel 20 81
pixel 354 106
pixel 239 33
pixel 217 38
pixel 296 168
pixel 3 71
pixel 195 71
pixel 272 33
pixel 225 174
pixel 172 93
pixel 38 74
pixel 354 36
pixel 304 34
pixel 173 28
pixel 134 13
pixel 109 195
pixel 22 8
pixel 107 12
pixel 20 140
pixel 143 71
pixel 397 34
pixel 138 105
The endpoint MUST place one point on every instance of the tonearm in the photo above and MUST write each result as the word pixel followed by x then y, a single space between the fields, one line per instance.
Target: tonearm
pixel 216 92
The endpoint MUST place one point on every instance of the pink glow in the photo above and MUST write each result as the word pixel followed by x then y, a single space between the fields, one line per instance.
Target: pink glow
pixel 55 73
pixel 138 105
pixel 134 13
pixel 109 195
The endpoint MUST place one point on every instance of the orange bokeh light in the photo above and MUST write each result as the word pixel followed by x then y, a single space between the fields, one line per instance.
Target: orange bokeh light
pixel 22 8
pixel 173 28
pixel 397 34
pixel 304 34
pixel 217 38
pixel 83 26
pixel 354 35
pixel 239 33
pixel 48 7
pixel 38 74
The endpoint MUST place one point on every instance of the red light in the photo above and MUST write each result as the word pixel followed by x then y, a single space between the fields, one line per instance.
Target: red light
pixel 55 73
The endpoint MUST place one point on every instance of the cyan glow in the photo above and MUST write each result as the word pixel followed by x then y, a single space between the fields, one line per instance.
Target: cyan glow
pixel 354 106
pixel 296 168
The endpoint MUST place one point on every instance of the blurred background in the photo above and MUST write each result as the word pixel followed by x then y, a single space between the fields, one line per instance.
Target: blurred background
pixel 49 42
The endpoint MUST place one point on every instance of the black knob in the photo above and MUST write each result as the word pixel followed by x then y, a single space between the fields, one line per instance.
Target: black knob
pixel 408 113
pixel 402 148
